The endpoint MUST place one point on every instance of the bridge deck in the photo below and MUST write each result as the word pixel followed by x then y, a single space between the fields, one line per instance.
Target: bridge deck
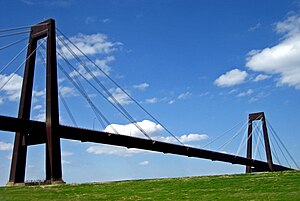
pixel 37 135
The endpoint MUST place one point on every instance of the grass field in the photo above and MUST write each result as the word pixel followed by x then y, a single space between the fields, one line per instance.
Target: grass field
pixel 263 186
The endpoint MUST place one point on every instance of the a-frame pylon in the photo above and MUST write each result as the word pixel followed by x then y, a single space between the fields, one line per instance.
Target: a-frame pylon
pixel 45 29
pixel 260 116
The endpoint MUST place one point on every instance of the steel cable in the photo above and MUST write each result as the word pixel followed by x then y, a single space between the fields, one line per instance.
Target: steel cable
pixel 120 108
pixel 14 73
pixel 13 43
pixel 124 91
pixel 13 59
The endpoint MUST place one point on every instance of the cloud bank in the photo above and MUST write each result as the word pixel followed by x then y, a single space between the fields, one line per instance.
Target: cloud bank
pixel 155 131
pixel 282 59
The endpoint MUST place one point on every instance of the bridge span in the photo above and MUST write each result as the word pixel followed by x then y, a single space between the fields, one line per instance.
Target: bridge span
pixel 37 135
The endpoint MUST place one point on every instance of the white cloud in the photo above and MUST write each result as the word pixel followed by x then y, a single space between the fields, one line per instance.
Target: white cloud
pixel 193 137
pixel 30 166
pixel 120 96
pixel 65 162
pixel 61 80
pixel 204 94
pixel 66 153
pixel 171 102
pixel 90 44
pixel 41 93
pixel 5 146
pixel 180 97
pixel 151 100
pixel 67 91
pixel 282 59
pixel 106 20
pixel 144 163
pixel 113 150
pixel 91 20
pixel 245 93
pixel 261 77
pixel 94 19
pixel 103 64
pixel 183 138
pixel 40 117
pixel 37 107
pixel 1 100
pixel 48 3
pixel 141 86
pixel 151 128
pixel 155 131
pixel 231 78
pixel 253 28
pixel 184 95
pixel 253 99
pixel 233 91
pixel 289 27
pixel 12 88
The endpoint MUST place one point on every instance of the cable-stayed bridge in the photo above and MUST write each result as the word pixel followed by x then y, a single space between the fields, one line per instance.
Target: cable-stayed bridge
pixel 29 132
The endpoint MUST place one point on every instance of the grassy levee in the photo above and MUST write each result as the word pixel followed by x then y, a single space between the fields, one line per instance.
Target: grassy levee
pixel 263 186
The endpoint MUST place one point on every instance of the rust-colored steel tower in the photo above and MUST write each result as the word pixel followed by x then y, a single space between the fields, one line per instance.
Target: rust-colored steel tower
pixel 44 29
pixel 260 116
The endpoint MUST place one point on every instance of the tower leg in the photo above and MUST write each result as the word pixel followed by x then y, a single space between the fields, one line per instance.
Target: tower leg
pixel 18 164
pixel 53 155
pixel 47 165
pixel 267 144
pixel 249 145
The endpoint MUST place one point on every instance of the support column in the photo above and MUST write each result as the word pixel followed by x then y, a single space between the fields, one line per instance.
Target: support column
pixel 18 163
pixel 249 144
pixel 53 155
pixel 267 143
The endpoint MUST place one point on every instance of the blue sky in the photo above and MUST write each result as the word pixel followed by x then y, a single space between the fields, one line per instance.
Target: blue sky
pixel 200 67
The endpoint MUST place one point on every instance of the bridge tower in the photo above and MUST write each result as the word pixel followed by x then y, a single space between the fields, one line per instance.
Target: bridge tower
pixel 45 29
pixel 260 116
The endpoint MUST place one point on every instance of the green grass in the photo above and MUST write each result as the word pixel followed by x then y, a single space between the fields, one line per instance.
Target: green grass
pixel 263 186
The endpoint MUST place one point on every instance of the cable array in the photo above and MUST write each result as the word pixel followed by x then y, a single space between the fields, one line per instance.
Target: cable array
pixel 18 68
pixel 118 86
